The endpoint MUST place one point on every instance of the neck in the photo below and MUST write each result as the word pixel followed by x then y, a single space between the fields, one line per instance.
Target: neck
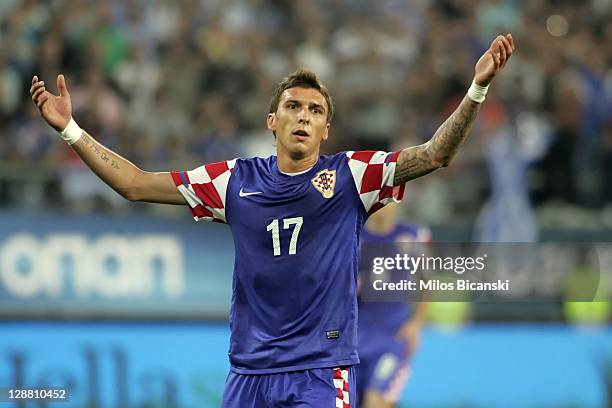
pixel 289 164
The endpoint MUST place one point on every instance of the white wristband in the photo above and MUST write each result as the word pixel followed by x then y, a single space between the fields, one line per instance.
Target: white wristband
pixel 72 133
pixel 477 93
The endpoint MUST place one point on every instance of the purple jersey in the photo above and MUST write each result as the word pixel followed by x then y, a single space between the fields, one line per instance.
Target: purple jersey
pixel 396 313
pixel 294 304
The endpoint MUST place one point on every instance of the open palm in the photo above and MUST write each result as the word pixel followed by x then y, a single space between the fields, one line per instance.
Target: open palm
pixel 494 59
pixel 55 110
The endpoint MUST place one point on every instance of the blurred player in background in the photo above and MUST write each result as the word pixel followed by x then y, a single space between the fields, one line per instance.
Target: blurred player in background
pixel 296 219
pixel 389 332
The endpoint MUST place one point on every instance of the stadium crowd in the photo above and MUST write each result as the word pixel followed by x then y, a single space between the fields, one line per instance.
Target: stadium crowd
pixel 174 84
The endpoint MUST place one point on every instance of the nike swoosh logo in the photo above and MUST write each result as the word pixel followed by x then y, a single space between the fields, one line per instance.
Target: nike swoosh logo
pixel 245 194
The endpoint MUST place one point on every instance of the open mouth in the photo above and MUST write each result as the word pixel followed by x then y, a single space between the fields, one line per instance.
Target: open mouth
pixel 301 133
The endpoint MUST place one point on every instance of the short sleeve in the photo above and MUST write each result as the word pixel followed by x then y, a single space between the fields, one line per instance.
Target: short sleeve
pixel 205 189
pixel 373 173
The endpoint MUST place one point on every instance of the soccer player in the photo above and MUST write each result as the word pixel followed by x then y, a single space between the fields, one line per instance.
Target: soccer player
pixel 386 344
pixel 296 219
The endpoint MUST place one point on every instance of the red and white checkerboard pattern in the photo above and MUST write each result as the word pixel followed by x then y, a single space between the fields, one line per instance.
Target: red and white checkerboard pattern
pixel 325 180
pixel 373 173
pixel 205 189
pixel 341 382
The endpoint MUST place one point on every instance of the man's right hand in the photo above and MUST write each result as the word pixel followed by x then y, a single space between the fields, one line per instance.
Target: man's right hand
pixel 56 110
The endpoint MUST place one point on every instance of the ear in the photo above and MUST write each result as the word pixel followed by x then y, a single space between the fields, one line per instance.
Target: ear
pixel 326 133
pixel 271 121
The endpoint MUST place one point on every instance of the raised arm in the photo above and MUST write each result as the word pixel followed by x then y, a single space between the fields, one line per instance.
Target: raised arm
pixel 420 160
pixel 119 173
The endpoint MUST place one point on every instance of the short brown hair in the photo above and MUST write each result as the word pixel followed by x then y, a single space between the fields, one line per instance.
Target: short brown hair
pixel 302 78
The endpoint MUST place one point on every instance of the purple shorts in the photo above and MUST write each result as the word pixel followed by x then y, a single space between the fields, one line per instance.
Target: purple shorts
pixel 319 387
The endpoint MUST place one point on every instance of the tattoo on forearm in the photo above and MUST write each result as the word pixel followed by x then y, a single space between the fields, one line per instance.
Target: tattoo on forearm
pixel 454 130
pixel 421 160
pixel 93 146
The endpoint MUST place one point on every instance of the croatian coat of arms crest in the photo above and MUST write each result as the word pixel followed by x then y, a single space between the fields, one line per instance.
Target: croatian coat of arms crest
pixel 325 181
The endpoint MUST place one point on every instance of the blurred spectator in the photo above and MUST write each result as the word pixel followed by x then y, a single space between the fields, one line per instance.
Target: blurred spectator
pixel 183 83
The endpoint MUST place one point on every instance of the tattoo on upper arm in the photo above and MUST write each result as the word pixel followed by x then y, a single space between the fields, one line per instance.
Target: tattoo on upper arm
pixel 93 146
pixel 412 163
pixel 420 160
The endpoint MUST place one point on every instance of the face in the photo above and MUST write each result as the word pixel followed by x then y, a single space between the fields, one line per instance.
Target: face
pixel 300 122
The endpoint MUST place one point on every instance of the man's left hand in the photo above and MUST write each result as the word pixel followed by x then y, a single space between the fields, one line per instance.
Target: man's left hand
pixel 494 59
